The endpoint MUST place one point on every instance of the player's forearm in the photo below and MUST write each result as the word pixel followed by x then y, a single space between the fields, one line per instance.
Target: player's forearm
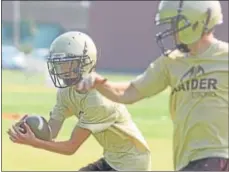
pixel 69 147
pixel 115 91
pixel 64 147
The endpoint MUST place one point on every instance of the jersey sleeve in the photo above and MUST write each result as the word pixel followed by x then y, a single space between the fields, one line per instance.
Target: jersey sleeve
pixel 154 80
pixel 60 111
pixel 98 116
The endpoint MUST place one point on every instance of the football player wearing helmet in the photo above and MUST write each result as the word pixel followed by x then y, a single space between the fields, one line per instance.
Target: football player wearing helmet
pixel 73 55
pixel 195 67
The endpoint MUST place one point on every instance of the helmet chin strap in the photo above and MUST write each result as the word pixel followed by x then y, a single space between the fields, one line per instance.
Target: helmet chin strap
pixel 183 48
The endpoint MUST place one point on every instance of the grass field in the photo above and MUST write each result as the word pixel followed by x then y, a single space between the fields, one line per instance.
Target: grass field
pixel 30 95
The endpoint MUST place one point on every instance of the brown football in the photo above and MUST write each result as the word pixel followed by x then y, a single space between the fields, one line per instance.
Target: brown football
pixel 38 125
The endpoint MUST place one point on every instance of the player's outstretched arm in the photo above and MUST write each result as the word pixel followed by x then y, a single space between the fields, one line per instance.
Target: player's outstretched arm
pixel 154 80
pixel 124 92
pixel 121 92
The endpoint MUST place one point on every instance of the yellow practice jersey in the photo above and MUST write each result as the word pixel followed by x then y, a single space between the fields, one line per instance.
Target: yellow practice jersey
pixel 198 100
pixel 110 123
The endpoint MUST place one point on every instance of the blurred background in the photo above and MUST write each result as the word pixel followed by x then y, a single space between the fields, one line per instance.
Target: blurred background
pixel 124 34
pixel 123 31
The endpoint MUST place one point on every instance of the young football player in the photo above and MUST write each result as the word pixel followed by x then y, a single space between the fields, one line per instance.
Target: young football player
pixel 196 70
pixel 73 55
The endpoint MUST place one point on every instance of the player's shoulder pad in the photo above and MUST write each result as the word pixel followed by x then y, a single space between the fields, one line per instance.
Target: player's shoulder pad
pixel 176 54
pixel 222 48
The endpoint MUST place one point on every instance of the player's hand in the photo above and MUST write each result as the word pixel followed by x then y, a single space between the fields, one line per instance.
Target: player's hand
pixel 16 135
pixel 88 83
pixel 17 124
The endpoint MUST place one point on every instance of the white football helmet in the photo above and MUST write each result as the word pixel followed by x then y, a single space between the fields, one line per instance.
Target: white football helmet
pixel 73 55
pixel 187 20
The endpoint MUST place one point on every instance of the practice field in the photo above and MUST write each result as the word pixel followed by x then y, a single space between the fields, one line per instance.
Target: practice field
pixel 21 94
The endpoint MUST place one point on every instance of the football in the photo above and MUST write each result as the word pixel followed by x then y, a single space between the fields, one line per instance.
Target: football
pixel 38 125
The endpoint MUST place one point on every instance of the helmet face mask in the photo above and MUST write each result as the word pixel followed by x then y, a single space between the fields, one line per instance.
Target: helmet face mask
pixel 67 70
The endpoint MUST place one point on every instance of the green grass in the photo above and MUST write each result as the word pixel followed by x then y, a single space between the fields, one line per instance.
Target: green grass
pixel 30 95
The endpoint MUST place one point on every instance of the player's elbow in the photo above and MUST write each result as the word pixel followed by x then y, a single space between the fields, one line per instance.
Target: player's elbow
pixel 125 100
pixel 70 152
pixel 129 102
pixel 71 149
pixel 130 95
